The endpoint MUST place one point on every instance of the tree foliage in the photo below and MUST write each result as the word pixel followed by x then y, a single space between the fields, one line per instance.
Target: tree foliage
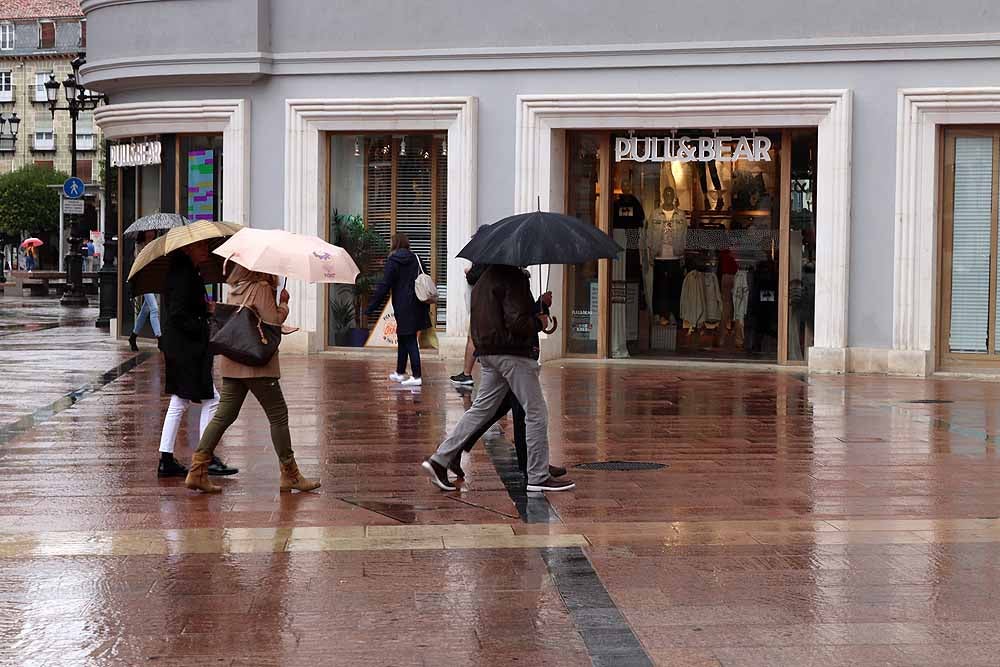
pixel 27 204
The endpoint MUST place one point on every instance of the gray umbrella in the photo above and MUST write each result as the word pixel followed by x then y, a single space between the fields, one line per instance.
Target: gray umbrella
pixel 155 222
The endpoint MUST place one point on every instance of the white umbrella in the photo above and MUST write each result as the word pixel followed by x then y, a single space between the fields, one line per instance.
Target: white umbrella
pixel 307 258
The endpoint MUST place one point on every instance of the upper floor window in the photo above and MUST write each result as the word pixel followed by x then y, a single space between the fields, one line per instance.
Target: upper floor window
pixel 6 86
pixel 46 35
pixel 83 33
pixel 6 36
pixel 40 79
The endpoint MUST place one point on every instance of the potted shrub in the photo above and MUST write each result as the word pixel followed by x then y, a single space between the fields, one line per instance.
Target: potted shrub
pixel 368 249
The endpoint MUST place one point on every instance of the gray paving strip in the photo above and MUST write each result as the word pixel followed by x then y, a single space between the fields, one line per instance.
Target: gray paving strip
pixel 68 400
pixel 531 507
pixel 609 639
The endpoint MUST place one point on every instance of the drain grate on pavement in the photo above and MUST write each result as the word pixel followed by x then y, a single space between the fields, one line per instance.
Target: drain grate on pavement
pixel 620 466
pixel 928 401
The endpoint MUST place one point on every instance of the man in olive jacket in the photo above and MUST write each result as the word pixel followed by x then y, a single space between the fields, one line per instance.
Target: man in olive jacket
pixel 505 326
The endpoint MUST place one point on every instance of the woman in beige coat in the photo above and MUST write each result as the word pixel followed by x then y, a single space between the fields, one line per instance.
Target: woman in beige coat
pixel 256 290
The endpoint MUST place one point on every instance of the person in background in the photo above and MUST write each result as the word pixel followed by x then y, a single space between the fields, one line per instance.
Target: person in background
pixel 412 315
pixel 90 256
pixel 505 328
pixel 150 309
pixel 187 360
pixel 256 290
pixel 465 379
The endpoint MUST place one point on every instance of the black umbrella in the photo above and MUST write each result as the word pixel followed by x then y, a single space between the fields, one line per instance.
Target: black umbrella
pixel 539 237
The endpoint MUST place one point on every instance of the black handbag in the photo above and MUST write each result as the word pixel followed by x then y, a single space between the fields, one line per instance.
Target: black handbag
pixel 238 333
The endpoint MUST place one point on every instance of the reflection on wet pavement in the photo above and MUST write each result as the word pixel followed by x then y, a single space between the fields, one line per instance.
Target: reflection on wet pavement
pixel 801 520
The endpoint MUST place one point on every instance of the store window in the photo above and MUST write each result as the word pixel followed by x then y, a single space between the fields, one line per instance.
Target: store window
pixel 381 185
pixel 46 35
pixel 718 257
pixel 6 36
pixel 969 246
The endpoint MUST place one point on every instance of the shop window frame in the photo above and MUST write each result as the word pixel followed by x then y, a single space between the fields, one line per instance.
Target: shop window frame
pixel 945 358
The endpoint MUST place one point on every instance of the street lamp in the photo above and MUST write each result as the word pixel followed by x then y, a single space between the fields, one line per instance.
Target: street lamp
pixel 77 99
pixel 9 125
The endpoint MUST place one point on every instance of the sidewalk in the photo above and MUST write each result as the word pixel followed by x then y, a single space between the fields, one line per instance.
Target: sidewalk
pixel 799 520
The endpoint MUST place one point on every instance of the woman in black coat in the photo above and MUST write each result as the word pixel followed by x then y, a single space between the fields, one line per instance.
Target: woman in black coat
pixel 412 315
pixel 187 360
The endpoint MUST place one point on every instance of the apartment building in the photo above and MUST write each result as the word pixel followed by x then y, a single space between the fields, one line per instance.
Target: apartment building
pixel 39 39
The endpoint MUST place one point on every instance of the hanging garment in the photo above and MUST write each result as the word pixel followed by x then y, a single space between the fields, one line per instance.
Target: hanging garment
pixel 713 298
pixel 741 296
pixel 728 283
pixel 693 300
pixel 619 344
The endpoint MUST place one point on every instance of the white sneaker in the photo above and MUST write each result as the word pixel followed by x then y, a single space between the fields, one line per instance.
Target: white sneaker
pixel 412 382
pixel 396 377
pixel 466 461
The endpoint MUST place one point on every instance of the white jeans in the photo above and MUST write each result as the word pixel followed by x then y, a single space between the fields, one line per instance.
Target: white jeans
pixel 175 415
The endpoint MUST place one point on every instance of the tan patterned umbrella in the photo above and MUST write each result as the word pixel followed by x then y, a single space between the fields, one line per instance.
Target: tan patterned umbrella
pixel 149 271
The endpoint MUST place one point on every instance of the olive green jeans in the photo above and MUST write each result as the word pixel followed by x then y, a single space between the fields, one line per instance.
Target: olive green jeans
pixel 267 391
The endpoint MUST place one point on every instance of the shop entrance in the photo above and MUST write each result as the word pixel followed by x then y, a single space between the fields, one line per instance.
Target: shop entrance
pixel 719 237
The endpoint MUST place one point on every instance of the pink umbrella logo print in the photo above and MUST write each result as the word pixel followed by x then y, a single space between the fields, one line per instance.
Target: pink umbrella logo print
pixel 325 257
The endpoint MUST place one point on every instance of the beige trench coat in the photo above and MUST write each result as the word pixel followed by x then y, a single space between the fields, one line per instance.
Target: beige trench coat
pixel 262 298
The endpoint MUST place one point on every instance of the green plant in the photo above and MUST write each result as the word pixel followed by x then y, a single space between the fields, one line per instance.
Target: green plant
pixel 342 313
pixel 367 248
pixel 27 204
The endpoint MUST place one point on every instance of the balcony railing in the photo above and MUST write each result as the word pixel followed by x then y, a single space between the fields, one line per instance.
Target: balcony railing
pixel 7 94
pixel 7 144
pixel 43 143
pixel 40 94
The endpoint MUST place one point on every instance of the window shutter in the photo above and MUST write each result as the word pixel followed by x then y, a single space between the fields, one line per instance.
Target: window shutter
pixel 46 35
pixel 970 289
pixel 413 197
pixel 45 164
pixel 441 224
pixel 85 170
pixel 85 123
pixel 378 191
pixel 43 121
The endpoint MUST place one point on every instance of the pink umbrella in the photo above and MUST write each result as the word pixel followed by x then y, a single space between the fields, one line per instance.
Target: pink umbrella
pixel 296 256
pixel 32 242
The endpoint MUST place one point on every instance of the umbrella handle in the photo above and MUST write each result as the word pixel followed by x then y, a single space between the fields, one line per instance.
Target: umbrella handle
pixel 555 325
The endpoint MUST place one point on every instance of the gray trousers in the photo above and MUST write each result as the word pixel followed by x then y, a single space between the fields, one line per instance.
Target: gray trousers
pixel 500 373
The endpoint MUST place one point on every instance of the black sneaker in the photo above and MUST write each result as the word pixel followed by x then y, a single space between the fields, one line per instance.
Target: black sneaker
pixel 557 471
pixel 438 474
pixel 456 468
pixel 170 467
pixel 220 469
pixel 552 484
pixel 463 380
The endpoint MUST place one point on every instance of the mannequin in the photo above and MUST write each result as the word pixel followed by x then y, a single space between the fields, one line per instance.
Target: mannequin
pixel 663 257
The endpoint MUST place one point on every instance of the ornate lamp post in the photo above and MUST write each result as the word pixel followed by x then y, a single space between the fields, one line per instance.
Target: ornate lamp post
pixel 9 124
pixel 77 99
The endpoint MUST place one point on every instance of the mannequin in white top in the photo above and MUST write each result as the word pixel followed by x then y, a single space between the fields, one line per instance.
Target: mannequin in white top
pixel 664 236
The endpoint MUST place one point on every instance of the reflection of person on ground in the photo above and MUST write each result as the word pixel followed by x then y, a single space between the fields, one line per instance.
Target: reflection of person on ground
pixel 150 310
pixel 505 327
pixel 412 315
pixel 255 290
pixel 186 357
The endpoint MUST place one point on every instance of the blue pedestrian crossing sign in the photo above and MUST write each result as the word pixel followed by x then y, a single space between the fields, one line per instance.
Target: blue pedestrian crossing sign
pixel 74 187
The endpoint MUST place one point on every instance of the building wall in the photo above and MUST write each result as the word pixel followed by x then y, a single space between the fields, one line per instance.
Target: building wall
pixel 496 52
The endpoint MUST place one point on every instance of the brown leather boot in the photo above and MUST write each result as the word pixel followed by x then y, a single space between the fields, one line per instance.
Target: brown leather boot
pixel 197 477
pixel 291 478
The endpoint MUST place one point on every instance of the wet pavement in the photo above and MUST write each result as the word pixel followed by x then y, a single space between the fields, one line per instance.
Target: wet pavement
pixel 798 521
